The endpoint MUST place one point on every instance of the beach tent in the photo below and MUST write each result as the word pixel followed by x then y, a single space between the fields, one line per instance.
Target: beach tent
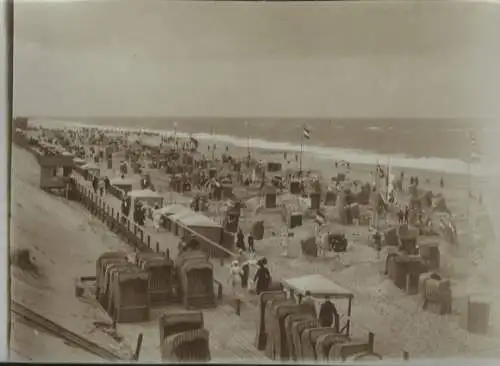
pixel 319 286
pixel 92 169
pixel 125 184
pixel 188 223
pixel 170 211
pixel 145 196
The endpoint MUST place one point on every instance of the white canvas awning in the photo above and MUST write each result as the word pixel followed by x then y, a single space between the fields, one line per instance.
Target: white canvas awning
pixel 197 219
pixel 90 166
pixel 173 209
pixel 121 181
pixel 143 193
pixel 318 285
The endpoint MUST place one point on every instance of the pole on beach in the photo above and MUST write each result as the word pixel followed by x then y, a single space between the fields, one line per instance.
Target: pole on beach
pixel 213 145
pixel 248 140
pixel 469 177
pixel 175 136
pixel 301 150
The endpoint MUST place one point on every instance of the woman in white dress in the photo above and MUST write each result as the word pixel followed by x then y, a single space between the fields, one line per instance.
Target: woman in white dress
pixel 234 278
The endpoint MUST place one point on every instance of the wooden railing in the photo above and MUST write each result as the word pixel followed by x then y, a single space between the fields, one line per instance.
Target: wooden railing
pixel 129 230
pixel 132 233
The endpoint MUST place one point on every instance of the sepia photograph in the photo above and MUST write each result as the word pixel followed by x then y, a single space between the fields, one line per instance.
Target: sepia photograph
pixel 254 181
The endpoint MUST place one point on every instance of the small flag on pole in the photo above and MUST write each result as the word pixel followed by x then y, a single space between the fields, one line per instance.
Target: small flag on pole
pixel 307 133
pixel 320 218
pixel 474 153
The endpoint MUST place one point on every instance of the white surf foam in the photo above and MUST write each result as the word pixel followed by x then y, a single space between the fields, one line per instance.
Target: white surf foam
pixel 355 156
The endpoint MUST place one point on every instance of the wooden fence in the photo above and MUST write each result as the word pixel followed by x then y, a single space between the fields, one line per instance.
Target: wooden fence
pixel 132 233
pixel 129 230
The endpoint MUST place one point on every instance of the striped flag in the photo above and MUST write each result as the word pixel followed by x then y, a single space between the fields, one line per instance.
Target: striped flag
pixel 474 153
pixel 320 218
pixel 307 133
pixel 380 171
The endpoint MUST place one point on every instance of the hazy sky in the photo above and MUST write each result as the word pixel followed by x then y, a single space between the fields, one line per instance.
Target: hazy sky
pixel 168 58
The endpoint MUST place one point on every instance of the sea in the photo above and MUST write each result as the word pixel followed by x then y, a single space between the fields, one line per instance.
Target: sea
pixel 461 146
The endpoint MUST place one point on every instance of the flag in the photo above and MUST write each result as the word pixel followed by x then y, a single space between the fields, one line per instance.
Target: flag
pixel 307 133
pixel 380 171
pixel 320 218
pixel 474 153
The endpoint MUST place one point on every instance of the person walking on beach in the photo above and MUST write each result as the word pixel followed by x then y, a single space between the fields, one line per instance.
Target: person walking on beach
pixel 101 187
pixel 328 314
pixel 240 240
pixel 245 268
pixel 324 244
pixel 107 183
pixel 156 218
pixel 400 216
pixel 406 214
pixel 95 184
pixel 251 245
pixel 234 278
pixel 262 277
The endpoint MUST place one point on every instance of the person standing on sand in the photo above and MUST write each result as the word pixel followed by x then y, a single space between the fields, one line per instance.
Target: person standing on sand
pixel 251 245
pixel 328 314
pixel 234 279
pixel 400 216
pixel 156 218
pixel 406 214
pixel 95 184
pixel 240 240
pixel 324 245
pixel 262 277
pixel 245 268
pixel 308 300
pixel 102 187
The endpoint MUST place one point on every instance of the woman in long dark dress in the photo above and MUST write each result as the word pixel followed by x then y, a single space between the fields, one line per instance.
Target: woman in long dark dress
pixel 262 278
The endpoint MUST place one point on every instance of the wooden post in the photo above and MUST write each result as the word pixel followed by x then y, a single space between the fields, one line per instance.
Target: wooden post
pixel 219 292
pixel 149 241
pixel 167 253
pixel 138 347
pixel 406 356
pixel 371 341
pixel 157 247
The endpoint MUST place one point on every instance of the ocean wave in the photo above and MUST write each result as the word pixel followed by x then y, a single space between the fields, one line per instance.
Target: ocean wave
pixel 454 166
pixel 355 156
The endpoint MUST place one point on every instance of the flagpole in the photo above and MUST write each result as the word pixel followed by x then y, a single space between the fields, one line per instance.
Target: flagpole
pixel 213 145
pixel 248 140
pixel 377 200
pixel 301 151
pixel 469 183
pixel 175 136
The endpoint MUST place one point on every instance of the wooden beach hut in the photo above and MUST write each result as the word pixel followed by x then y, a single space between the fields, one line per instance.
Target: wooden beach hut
pixel 169 211
pixel 189 224
pixel 270 196
pixel 50 169
pixel 320 287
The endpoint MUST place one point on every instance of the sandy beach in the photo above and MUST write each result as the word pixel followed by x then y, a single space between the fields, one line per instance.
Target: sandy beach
pixel 395 317
pixel 393 88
